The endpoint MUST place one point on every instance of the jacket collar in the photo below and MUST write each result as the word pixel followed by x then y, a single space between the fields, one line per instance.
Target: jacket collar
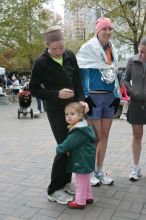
pixel 80 124
pixel 136 58
pixel 65 54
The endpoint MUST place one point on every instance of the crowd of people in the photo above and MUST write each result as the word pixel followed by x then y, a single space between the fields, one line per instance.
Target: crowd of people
pixel 12 85
pixel 81 95
pixel 8 81
pixel 13 82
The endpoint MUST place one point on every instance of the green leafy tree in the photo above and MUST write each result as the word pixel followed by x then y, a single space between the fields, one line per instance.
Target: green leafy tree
pixel 22 23
pixel 74 45
pixel 128 16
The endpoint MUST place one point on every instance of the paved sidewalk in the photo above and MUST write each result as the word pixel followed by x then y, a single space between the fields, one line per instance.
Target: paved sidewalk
pixel 27 148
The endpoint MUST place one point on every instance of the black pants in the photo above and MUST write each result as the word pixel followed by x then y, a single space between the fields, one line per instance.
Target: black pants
pixel 59 176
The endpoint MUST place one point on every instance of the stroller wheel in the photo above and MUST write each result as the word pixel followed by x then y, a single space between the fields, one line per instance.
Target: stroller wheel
pixel 18 113
pixel 31 113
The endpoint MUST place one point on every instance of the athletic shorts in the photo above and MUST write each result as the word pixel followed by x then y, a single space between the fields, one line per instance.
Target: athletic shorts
pixel 104 108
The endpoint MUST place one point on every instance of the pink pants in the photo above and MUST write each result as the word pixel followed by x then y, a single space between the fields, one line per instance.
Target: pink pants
pixel 83 188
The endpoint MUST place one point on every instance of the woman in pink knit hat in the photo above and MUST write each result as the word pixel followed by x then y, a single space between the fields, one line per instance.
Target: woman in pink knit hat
pixel 97 60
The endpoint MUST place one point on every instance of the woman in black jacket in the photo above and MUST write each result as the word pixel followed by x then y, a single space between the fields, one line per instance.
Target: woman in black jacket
pixel 56 79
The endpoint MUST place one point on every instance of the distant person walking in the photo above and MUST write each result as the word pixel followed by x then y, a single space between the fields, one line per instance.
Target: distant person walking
pixel 40 105
pixel 124 102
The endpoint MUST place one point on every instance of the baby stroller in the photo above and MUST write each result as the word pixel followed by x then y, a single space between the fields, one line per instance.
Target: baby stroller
pixel 24 103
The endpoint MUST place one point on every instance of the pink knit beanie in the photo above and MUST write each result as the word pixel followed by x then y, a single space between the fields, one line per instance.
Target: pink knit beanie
pixel 102 23
pixel 53 34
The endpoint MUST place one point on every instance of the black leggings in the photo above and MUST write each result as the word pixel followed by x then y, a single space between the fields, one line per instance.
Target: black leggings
pixel 59 176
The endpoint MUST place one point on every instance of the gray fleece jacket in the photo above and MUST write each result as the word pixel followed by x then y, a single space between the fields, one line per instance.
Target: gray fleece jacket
pixel 135 81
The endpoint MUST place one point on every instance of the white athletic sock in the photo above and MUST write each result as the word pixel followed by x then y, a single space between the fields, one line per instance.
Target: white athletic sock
pixel 136 167
pixel 98 169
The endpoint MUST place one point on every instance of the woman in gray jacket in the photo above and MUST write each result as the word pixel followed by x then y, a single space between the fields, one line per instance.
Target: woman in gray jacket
pixel 135 82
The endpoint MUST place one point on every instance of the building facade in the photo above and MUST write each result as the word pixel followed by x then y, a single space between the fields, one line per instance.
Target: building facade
pixel 79 24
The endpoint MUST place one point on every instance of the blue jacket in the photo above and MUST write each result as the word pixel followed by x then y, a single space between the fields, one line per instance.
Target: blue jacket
pixel 92 81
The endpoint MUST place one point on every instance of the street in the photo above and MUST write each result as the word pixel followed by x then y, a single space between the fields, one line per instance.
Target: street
pixel 27 149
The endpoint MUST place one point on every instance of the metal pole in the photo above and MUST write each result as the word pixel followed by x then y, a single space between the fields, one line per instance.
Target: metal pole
pixel 84 34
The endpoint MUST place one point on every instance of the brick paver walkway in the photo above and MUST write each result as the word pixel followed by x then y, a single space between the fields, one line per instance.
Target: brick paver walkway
pixel 27 148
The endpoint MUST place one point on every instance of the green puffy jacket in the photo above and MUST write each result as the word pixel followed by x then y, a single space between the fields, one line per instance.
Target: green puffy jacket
pixel 81 145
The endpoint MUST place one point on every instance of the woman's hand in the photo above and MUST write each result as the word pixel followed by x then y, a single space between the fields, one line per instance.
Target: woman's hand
pixel 85 105
pixel 66 93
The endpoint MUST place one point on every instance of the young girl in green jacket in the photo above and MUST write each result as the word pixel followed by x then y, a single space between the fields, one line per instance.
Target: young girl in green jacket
pixel 80 145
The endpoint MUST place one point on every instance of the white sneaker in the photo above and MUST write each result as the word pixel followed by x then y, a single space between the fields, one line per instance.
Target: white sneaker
pixel 123 117
pixel 60 196
pixel 103 178
pixel 93 180
pixel 136 173
pixel 70 188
